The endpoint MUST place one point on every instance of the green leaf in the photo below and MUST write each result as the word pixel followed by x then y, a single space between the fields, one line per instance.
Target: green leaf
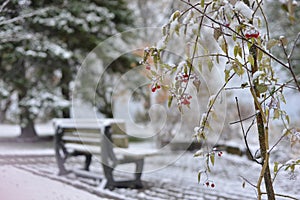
pixel 293 168
pixel 287 118
pixel 281 97
pixel 276 167
pixel 218 59
pixel 199 176
pixel 224 47
pixel 259 55
pixel 235 50
pixel 202 3
pixel 212 159
pixel 240 51
pixel 200 66
pixel 227 75
pixel 261 88
pixel 176 14
pixel 271 43
pixel 251 59
pixel 170 101
pixel 210 64
pixel 234 37
pixel 276 114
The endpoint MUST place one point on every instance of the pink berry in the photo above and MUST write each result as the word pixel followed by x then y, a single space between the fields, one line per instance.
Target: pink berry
pixel 186 102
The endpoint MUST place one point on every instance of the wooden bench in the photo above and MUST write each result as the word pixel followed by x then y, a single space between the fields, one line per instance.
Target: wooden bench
pixel 105 138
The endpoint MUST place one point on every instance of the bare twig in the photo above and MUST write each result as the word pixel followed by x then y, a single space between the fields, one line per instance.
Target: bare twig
pixel 283 195
pixel 235 32
pixel 290 67
pixel 294 45
pixel 244 134
pixel 246 180
pixel 244 119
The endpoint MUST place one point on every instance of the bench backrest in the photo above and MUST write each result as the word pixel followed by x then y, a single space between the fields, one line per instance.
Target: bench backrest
pixel 89 132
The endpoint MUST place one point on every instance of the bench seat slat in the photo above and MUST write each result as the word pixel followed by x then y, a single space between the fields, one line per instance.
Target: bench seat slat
pixel 81 140
pixel 83 148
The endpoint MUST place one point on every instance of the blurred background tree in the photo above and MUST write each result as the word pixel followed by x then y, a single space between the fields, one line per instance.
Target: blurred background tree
pixel 287 26
pixel 42 44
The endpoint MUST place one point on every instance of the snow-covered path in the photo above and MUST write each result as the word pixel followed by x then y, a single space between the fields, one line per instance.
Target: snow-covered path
pixel 35 177
pixel 18 184
pixel 28 171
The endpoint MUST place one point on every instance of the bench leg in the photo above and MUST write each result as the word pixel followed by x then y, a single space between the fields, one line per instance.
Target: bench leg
pixel 61 153
pixel 108 172
pixel 138 173
pixel 88 160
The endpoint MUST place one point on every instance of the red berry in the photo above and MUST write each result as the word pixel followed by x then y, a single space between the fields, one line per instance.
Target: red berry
pixel 153 89
pixel 185 78
pixel 226 24
pixel 212 185
pixel 207 184
pixel 148 67
pixel 158 87
pixel 252 34
pixel 186 102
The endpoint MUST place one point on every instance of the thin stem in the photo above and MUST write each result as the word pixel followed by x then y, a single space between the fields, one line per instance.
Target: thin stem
pixel 214 100
pixel 244 134
pixel 283 195
pixel 290 67
pixel 232 30
pixel 248 181
pixel 235 122
pixel 294 46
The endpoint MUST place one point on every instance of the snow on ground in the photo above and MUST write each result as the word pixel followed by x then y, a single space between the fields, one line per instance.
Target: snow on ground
pixel 172 175
pixel 16 184
pixel 9 130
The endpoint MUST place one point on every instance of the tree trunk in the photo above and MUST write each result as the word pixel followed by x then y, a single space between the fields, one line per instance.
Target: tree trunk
pixel 262 137
pixel 65 90
pixel 28 132
pixel 27 125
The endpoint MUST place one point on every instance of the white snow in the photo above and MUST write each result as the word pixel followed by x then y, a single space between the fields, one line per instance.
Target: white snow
pixel 241 7
pixel 257 74
pixel 16 184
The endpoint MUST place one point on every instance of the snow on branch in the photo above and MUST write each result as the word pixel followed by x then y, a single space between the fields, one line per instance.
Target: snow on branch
pixel 37 12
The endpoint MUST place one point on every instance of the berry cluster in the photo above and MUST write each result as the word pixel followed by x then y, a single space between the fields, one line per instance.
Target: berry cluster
pixel 184 99
pixel 182 77
pixel 208 184
pixel 220 153
pixel 251 33
pixel 155 87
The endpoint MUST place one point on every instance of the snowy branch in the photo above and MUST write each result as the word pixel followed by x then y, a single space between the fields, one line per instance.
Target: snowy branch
pixel 28 15
pixel 3 5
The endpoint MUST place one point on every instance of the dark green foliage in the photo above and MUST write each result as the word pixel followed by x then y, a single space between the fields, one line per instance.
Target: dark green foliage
pixel 42 44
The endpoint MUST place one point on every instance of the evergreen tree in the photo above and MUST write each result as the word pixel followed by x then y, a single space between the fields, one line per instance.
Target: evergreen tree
pixel 42 43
